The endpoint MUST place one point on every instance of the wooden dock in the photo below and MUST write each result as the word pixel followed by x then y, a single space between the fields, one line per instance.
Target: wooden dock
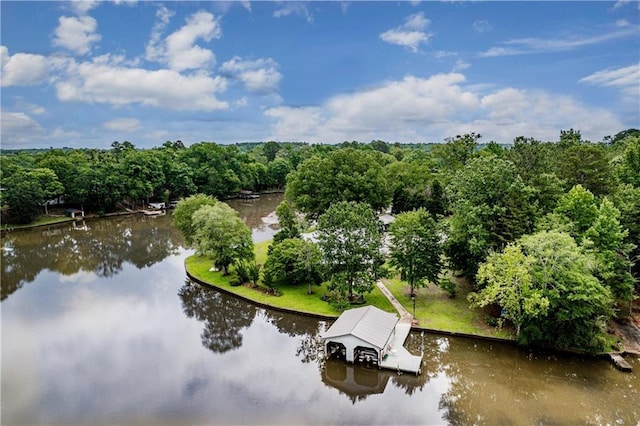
pixel 620 363
pixel 400 359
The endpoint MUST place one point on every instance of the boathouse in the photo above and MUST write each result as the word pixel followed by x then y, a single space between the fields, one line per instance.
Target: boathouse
pixel 361 334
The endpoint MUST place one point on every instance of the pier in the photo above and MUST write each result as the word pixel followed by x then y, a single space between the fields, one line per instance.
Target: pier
pixel 370 335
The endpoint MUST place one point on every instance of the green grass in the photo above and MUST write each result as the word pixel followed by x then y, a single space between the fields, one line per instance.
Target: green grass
pixel 434 308
pixel 41 220
pixel 437 311
pixel 292 297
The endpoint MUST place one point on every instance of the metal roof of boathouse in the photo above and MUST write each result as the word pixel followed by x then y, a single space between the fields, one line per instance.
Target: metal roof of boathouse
pixel 368 323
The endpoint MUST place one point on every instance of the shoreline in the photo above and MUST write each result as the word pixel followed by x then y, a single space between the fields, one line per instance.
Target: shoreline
pixel 608 356
pixel 325 317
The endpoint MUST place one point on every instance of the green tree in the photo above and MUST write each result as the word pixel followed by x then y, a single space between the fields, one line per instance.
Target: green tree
pixel 545 286
pixel 289 225
pixel 534 162
pixel 270 150
pixel 222 236
pixel 587 165
pixel 349 235
pixel 183 214
pixel 28 191
pixel 292 262
pixel 506 280
pixel 606 239
pixel 24 197
pixel 456 152
pixel 579 209
pixel 415 248
pixel 491 207
pixel 629 168
pixel 49 184
pixel 277 172
pixel 143 175
pixel 344 175
pixel 579 305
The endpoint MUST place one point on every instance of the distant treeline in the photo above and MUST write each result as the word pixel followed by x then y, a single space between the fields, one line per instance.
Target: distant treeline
pixel 99 180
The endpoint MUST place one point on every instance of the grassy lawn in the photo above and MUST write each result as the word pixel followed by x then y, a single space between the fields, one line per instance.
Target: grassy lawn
pixel 294 298
pixel 41 220
pixel 436 310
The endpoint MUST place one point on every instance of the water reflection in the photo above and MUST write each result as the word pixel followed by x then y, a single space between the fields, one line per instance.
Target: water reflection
pixel 224 317
pixel 123 339
pixel 259 215
pixel 98 246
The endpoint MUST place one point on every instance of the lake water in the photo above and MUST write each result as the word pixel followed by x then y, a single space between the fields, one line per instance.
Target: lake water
pixel 101 326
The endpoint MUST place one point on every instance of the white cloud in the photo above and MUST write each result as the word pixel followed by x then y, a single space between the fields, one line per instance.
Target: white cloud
pixel 104 80
pixel 481 26
pixel 539 45
pixel 182 52
pixel 76 33
pixel 293 8
pixel 81 7
pixel 122 125
pixel 179 50
pixel 460 65
pixel 17 128
pixel 410 34
pixel 58 132
pixel 22 69
pixel 620 3
pixel 622 23
pixel 625 79
pixel 296 124
pixel 430 109
pixel 260 75
pixel 154 50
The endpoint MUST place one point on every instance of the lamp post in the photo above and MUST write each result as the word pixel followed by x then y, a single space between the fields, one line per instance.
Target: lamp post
pixel 413 299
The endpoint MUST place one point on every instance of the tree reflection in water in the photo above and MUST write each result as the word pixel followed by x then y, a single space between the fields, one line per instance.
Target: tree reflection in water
pixel 101 246
pixel 224 316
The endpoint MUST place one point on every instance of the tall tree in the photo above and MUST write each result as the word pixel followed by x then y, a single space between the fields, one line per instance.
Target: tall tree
pixel 606 239
pixel 579 209
pixel 415 248
pixel 349 235
pixel 345 174
pixel 294 261
pixel 222 236
pixel 289 225
pixel 183 214
pixel 587 165
pixel 545 286
pixel 629 167
pixel 491 207
pixel 506 279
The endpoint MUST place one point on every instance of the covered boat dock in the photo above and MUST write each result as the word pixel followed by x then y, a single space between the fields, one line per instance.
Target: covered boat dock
pixel 373 336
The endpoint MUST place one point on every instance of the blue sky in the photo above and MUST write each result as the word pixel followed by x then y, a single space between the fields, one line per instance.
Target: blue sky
pixel 85 74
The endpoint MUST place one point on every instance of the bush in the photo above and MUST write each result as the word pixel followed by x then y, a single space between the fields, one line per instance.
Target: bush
pixel 448 286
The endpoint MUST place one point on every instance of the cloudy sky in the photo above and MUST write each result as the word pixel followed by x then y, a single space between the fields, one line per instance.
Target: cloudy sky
pixel 85 74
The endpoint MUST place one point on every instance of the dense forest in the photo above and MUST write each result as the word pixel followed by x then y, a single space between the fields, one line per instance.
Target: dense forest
pixel 558 221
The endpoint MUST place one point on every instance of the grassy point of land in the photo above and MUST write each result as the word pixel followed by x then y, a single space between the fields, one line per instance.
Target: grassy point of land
pixel 293 298
pixel 434 309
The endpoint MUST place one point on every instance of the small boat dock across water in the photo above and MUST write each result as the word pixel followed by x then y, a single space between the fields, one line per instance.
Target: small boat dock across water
pixel 372 336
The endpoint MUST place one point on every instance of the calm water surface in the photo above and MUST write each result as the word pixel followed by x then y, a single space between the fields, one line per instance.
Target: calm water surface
pixel 100 326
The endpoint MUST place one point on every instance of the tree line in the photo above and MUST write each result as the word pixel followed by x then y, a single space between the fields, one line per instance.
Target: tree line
pixel 102 180
pixel 547 231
